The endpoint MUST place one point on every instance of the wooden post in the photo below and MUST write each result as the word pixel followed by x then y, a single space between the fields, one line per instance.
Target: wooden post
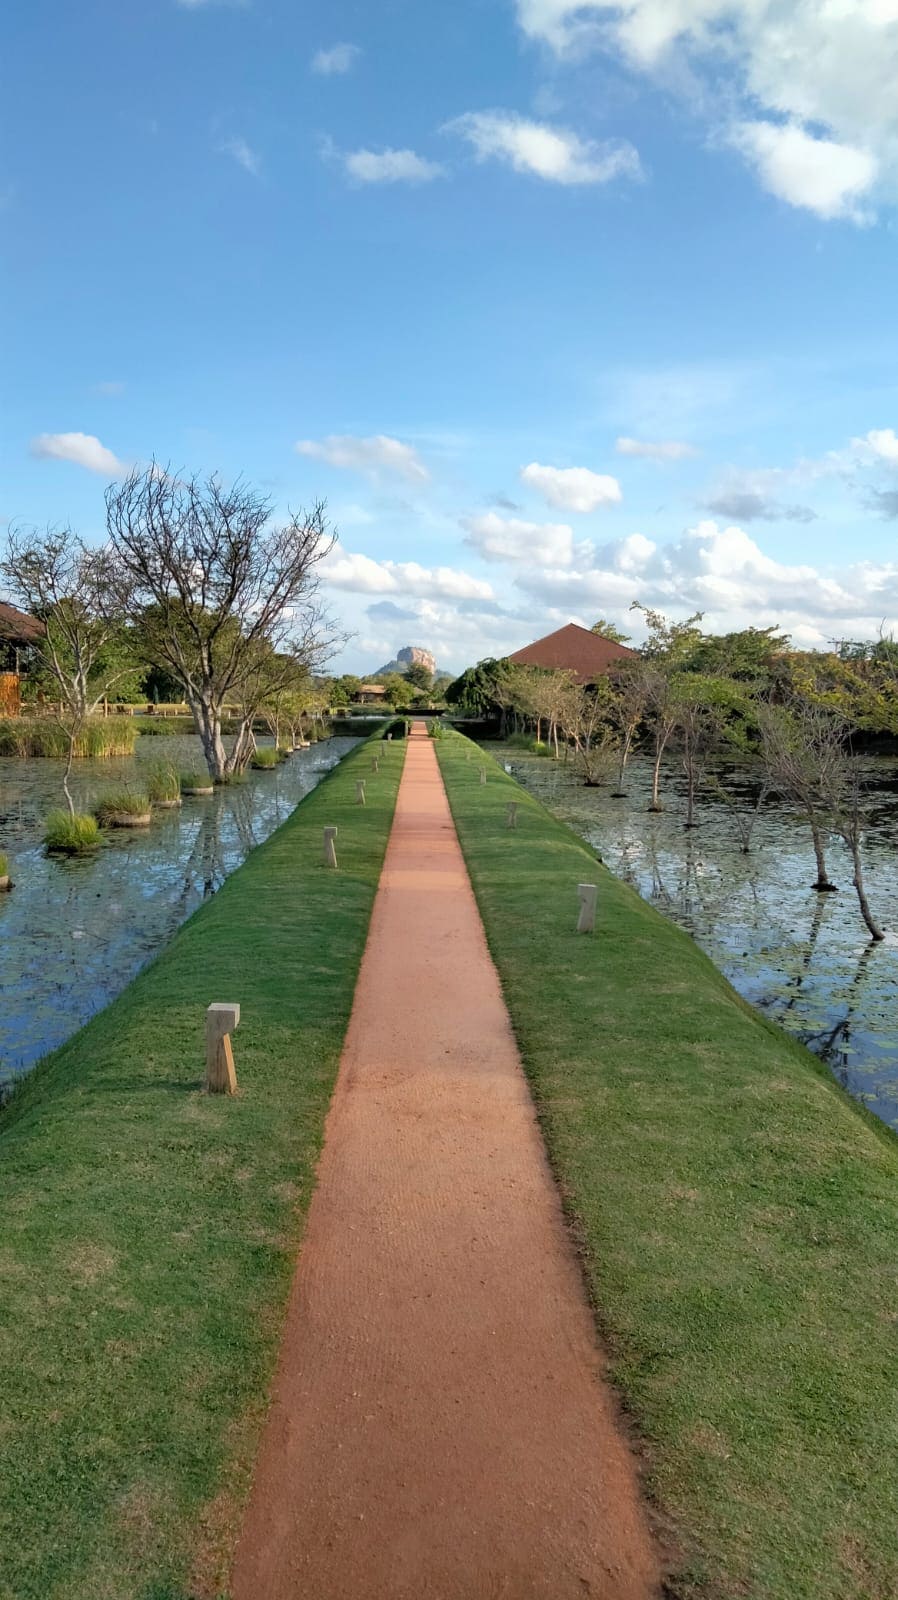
pixel 587 894
pixel 221 1020
pixel 483 774
pixel 360 791
pixel 511 814
pixel 330 849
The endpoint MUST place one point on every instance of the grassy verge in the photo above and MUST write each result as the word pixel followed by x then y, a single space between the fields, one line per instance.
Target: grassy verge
pixel 148 1231
pixel 738 1217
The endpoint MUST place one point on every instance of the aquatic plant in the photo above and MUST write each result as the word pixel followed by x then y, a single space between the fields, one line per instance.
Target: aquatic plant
pixel 265 759
pixel 123 808
pixel 4 870
pixel 71 835
pixel 194 782
pixel 99 738
pixel 163 784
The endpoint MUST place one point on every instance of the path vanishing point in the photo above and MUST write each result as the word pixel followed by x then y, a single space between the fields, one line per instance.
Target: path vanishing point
pixel 440 1428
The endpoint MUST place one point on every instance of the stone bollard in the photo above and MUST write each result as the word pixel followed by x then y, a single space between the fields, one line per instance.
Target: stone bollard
pixel 330 849
pixel 483 774
pixel 511 814
pixel 375 764
pixel 389 738
pixel 221 1020
pixel 587 894
pixel 360 791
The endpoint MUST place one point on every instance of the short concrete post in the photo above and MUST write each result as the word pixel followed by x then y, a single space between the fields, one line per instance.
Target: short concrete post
pixel 511 814
pixel 375 764
pixel 587 894
pixel 483 774
pixel 221 1020
pixel 389 738
pixel 330 849
pixel 360 791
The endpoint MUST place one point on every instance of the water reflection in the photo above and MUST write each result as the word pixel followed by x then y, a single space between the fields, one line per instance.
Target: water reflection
pixel 73 932
pixel 803 958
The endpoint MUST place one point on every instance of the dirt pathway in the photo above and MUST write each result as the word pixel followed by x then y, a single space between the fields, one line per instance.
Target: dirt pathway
pixel 439 1427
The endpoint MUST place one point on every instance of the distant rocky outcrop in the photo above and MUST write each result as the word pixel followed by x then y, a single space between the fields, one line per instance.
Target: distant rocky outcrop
pixel 410 656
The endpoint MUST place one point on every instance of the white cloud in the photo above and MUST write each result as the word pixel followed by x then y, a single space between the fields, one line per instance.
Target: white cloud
pixel 363 575
pixel 823 176
pixel 109 390
pixel 555 154
pixel 373 455
pixel 340 58
pixel 815 79
pixel 723 572
pixel 82 448
pixel 243 154
pixel 880 444
pixel 658 450
pixel 541 544
pixel 572 488
pixel 390 166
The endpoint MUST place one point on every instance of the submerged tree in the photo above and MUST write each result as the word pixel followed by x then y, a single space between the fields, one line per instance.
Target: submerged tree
pixel 82 597
pixel 665 654
pixel 218 588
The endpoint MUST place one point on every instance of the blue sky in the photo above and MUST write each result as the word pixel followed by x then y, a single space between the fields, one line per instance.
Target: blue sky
pixel 558 305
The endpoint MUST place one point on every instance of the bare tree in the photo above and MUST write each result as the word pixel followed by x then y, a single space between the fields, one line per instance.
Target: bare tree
pixel 802 749
pixel 627 702
pixel 82 596
pixel 584 723
pixel 218 587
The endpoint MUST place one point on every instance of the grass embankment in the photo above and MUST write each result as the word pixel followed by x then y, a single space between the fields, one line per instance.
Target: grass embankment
pixel 738 1218
pixel 148 1231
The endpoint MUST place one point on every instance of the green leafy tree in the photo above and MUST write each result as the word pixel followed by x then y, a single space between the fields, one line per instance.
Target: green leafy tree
pixel 419 676
pixel 608 630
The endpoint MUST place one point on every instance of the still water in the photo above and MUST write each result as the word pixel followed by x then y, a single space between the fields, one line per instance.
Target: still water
pixel 73 932
pixel 804 959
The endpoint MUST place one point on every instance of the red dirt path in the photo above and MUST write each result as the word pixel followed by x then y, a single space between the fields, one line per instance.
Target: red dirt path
pixel 439 1427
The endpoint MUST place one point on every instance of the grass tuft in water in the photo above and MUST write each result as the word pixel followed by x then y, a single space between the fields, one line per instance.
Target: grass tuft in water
pixel 163 783
pixel 122 807
pixel 71 835
pixel 265 759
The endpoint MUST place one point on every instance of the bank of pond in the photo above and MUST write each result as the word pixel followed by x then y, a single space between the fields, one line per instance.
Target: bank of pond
pixel 75 929
pixel 805 959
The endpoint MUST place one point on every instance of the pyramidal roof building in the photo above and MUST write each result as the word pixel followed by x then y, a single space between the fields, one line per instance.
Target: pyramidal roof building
pixel 586 656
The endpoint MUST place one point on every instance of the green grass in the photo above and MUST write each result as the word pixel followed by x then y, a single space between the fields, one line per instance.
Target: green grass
pixel 736 1213
pixel 125 803
pixel 40 736
pixel 73 836
pixel 194 779
pixel 149 1231
pixel 4 864
pixel 265 758
pixel 163 783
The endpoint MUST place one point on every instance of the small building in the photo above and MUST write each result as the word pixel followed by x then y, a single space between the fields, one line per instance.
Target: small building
pixel 586 656
pixel 18 633
pixel 370 694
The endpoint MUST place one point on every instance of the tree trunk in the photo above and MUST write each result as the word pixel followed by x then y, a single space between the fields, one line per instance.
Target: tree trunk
pixel 244 745
pixel 872 925
pixel 823 885
pixel 655 804
pixel 68 772
pixel 690 791
pixel 207 721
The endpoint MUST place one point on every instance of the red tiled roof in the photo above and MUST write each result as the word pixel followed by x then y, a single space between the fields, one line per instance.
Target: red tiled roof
pixel 573 649
pixel 18 626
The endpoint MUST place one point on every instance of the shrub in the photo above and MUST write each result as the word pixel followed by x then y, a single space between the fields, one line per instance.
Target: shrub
pixel 163 784
pixel 71 835
pixel 4 864
pixel 122 808
pixel 266 759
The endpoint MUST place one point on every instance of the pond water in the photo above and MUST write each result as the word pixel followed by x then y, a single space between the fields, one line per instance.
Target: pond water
pixel 73 932
pixel 805 959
